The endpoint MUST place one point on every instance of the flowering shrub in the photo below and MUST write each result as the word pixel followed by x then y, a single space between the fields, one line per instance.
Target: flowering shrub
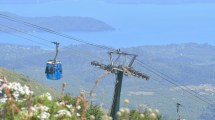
pixel 146 114
pixel 20 103
pixel 17 91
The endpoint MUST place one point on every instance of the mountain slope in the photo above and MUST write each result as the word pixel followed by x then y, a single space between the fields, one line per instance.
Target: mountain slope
pixel 24 80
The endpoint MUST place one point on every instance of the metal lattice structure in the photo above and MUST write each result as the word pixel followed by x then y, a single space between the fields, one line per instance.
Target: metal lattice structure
pixel 119 70
pixel 115 69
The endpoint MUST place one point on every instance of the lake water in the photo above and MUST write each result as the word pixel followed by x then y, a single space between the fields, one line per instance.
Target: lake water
pixel 135 24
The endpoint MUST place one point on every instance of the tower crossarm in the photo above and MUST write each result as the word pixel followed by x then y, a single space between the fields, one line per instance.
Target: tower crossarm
pixel 126 70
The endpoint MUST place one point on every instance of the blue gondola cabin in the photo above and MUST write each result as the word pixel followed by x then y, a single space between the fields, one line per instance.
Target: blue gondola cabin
pixel 53 70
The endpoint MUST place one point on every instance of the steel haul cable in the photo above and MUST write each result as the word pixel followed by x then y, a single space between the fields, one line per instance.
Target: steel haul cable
pixel 21 31
pixel 25 38
pixel 54 32
pixel 93 44
pixel 37 37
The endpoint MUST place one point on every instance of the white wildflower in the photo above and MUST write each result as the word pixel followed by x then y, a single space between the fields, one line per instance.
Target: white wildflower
pixel 60 104
pixel 69 106
pixel 16 95
pixel 43 116
pixel 77 114
pixel 63 113
pixel 126 102
pixel 153 116
pixel 46 95
pixel 3 100
pixel 142 115
pixel 49 97
pixel 82 92
pixel 110 118
pixel 43 108
pixel 127 110
pixel 78 107
pixel 105 117
pixel 148 110
pixel 156 111
pixel 119 114
pixel 26 90
pixel 92 117
pixel 34 109
pixel 17 91
pixel 22 92
pixel 122 110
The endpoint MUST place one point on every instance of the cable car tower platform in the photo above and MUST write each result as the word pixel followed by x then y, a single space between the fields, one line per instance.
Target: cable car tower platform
pixel 119 70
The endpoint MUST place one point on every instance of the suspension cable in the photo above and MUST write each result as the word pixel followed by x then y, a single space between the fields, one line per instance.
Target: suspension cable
pixel 53 32
pixel 165 77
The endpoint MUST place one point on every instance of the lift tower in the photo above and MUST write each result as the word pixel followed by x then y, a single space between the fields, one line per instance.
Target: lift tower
pixel 178 106
pixel 116 67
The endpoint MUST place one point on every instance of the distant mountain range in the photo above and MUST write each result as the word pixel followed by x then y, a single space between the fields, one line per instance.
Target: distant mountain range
pixel 57 23
pixel 159 1
pixel 180 59
pixel 189 64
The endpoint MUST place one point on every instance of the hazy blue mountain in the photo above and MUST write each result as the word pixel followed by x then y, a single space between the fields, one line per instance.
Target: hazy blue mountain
pixel 57 23
pixel 159 1
pixel 180 59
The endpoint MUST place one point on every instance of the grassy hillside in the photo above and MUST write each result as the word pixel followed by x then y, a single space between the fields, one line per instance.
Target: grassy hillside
pixel 24 80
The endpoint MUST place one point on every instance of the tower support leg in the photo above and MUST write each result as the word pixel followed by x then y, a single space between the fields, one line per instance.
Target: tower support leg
pixel 116 98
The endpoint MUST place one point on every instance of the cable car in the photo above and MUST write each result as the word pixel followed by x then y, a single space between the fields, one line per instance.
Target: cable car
pixel 54 67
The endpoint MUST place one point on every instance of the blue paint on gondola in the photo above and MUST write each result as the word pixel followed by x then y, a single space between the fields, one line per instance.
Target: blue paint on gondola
pixel 53 70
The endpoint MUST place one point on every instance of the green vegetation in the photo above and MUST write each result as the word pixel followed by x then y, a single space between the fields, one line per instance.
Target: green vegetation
pixel 18 103
pixel 21 102
pixel 23 80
